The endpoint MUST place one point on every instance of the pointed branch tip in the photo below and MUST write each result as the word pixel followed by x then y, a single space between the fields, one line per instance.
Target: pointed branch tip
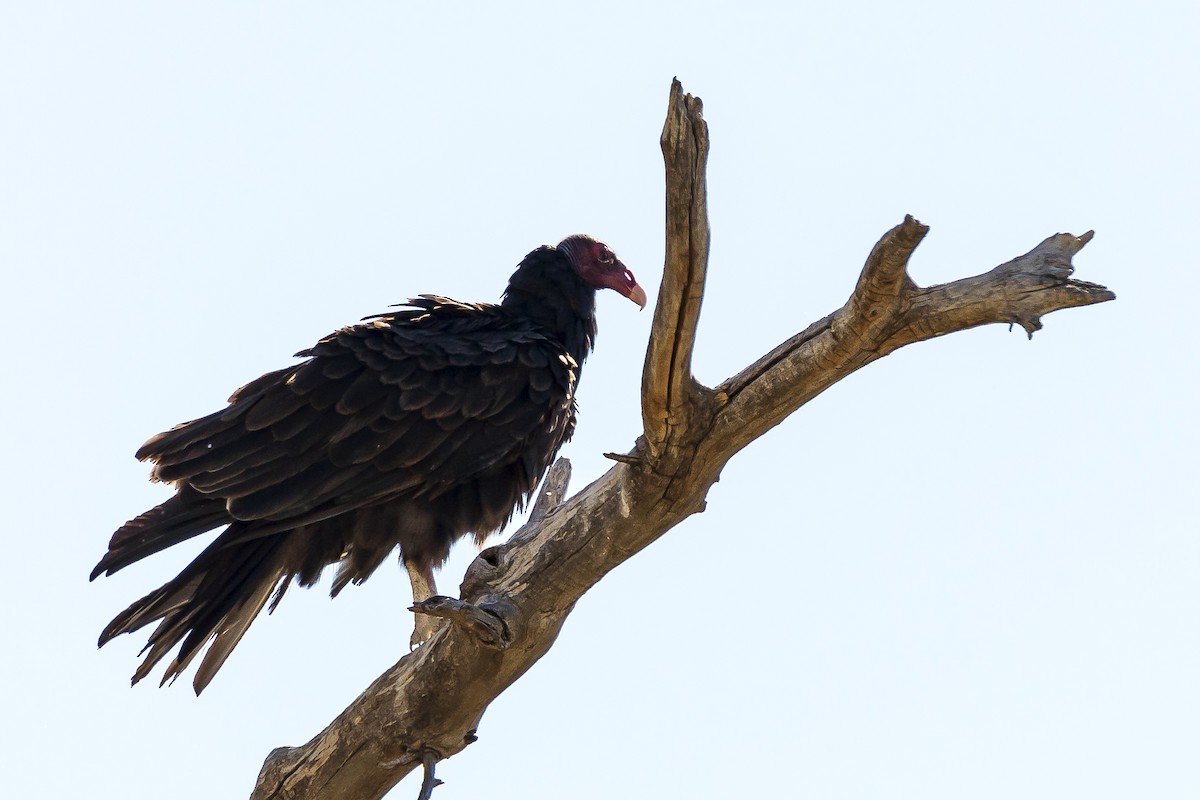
pixel 913 228
pixel 885 275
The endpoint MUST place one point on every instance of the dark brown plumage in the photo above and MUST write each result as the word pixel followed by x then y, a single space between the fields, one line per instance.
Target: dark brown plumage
pixel 411 429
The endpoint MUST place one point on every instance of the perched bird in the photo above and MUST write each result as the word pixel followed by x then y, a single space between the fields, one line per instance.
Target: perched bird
pixel 411 429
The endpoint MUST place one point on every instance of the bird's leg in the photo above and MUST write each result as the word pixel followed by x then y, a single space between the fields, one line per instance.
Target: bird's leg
pixel 423 588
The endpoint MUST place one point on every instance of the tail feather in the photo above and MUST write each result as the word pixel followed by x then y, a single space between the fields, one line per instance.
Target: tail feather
pixel 233 627
pixel 214 600
pixel 188 513
pixel 154 606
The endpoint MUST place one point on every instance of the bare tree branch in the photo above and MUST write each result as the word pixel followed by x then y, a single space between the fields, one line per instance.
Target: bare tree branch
pixel 887 311
pixel 430 782
pixel 516 596
pixel 668 388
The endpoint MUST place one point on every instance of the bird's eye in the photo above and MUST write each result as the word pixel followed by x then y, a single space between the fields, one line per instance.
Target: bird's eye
pixel 606 256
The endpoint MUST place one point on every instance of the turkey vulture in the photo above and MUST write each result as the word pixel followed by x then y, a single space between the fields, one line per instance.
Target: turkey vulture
pixel 410 429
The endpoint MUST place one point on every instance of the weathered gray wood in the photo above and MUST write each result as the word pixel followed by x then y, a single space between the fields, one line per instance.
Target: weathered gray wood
pixel 516 596
pixel 668 388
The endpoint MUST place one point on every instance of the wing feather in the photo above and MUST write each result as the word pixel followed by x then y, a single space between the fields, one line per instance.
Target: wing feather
pixel 364 391
pixel 398 397
pixel 446 411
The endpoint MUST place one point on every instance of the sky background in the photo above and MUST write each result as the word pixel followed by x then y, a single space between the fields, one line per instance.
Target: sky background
pixel 969 570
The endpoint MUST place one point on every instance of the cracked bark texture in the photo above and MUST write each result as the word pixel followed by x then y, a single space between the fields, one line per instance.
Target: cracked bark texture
pixel 516 596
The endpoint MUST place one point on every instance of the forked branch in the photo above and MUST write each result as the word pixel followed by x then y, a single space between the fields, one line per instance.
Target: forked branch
pixel 516 596
pixel 886 311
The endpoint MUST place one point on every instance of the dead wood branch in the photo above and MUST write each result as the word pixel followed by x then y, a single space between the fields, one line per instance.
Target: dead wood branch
pixel 516 596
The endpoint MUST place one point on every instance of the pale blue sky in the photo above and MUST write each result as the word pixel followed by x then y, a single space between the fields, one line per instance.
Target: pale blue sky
pixel 970 570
